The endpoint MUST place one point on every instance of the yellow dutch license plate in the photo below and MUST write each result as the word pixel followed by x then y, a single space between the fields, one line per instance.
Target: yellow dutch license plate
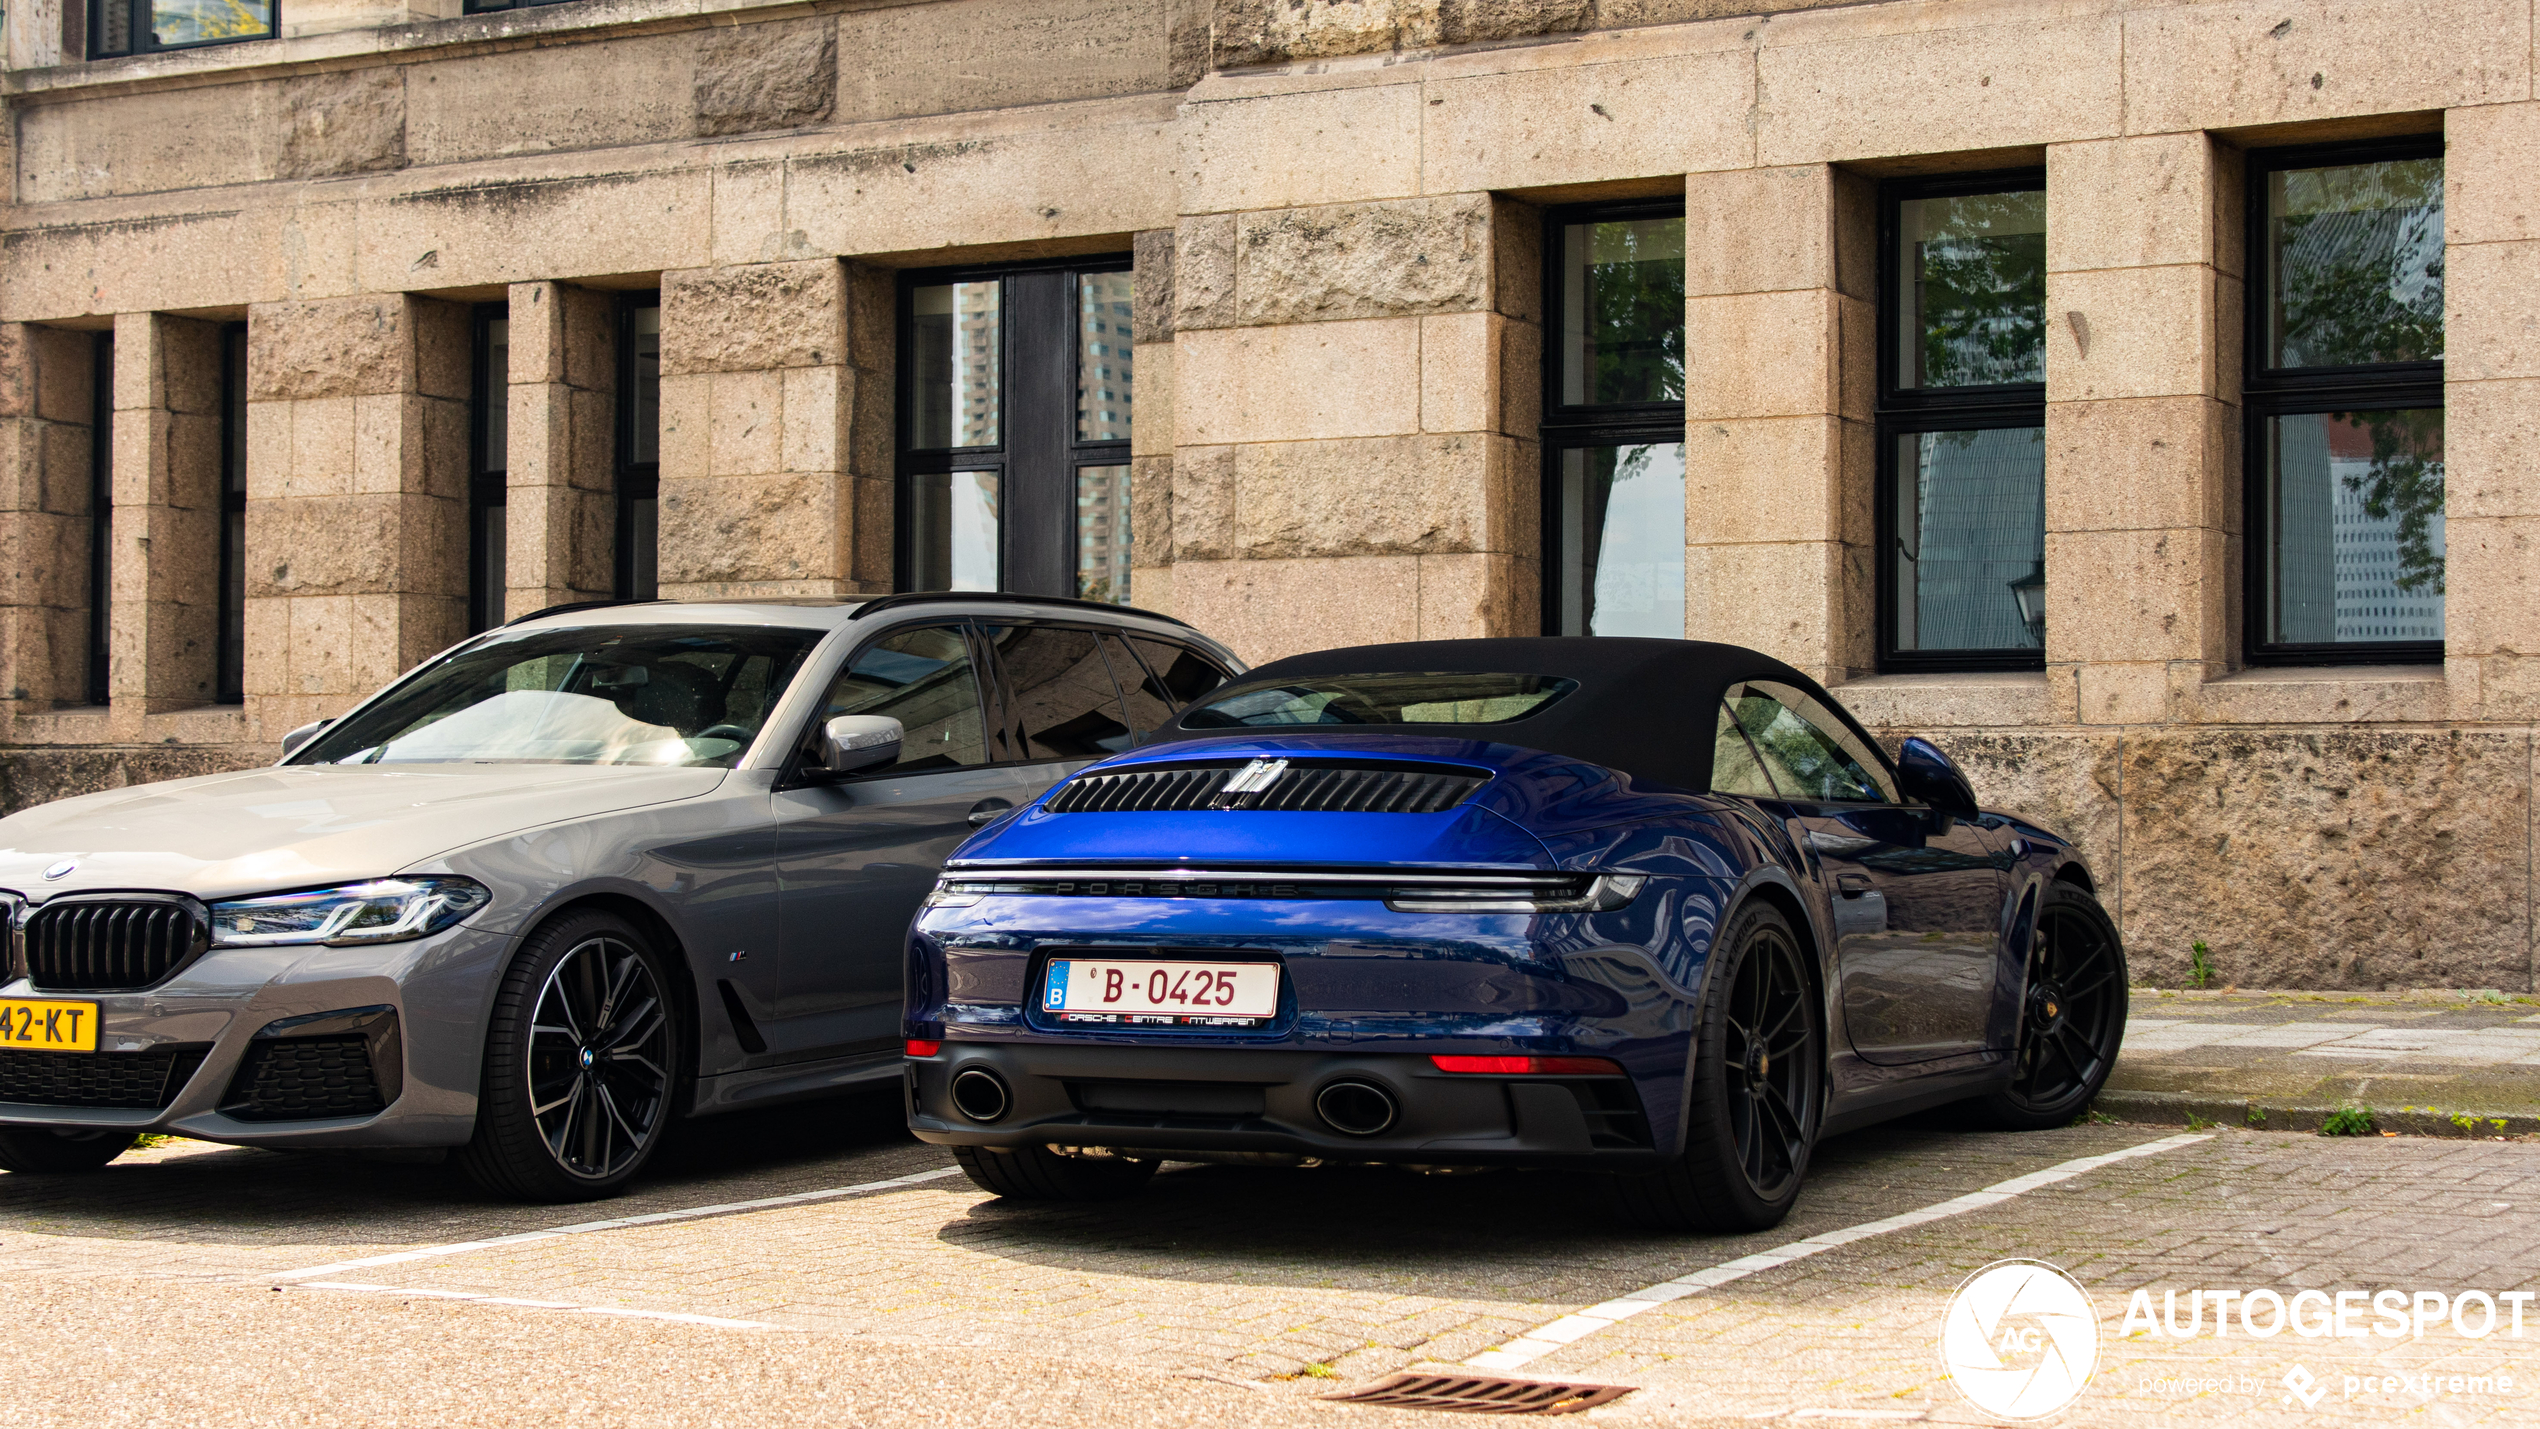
pixel 28 1026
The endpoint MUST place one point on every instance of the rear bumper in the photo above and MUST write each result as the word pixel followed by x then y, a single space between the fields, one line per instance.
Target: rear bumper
pixel 1233 1100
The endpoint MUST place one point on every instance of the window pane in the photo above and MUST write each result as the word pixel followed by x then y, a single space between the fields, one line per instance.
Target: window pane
pixel 1061 692
pixel 1185 674
pixel 2354 508
pixel 954 530
pixel 486 558
pixel 1148 704
pixel 1623 311
pixel 1102 533
pixel 1805 760
pixel 923 679
pixel 1622 552
pixel 643 398
pixel 1102 357
pixel 1734 769
pixel 1971 540
pixel 2355 264
pixel 955 345
pixel 1973 285
pixel 189 22
pixel 494 394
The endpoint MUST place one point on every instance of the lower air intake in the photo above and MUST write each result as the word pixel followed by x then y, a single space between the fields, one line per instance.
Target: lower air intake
pixel 304 1079
pixel 1272 786
pixel 125 1081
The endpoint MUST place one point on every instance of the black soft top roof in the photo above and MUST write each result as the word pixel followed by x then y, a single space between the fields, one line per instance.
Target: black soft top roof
pixel 1647 707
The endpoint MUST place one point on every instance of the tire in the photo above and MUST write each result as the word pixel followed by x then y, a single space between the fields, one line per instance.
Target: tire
pixel 43 1151
pixel 569 1114
pixel 1034 1173
pixel 1753 1104
pixel 2072 1016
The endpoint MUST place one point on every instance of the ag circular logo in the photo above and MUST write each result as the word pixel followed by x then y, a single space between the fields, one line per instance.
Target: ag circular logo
pixel 2020 1339
pixel 62 869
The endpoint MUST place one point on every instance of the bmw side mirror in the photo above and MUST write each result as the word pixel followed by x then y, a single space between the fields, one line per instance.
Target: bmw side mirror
pixel 851 744
pixel 1925 774
pixel 291 742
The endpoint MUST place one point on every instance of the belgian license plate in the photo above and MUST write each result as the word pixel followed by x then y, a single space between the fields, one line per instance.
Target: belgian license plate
pixel 1147 993
pixel 28 1026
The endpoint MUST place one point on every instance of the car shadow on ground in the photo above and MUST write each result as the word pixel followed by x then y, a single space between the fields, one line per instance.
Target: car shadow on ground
pixel 197 1193
pixel 1535 1234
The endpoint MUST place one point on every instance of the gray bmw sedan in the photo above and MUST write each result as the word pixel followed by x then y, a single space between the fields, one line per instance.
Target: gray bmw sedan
pixel 569 881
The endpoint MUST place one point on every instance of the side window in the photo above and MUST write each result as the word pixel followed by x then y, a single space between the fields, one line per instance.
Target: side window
pixel 1148 705
pixel 1804 749
pixel 1183 674
pixel 1061 692
pixel 923 678
pixel 1734 769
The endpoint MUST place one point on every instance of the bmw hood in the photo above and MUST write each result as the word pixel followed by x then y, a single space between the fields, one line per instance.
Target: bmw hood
pixel 266 830
pixel 1497 805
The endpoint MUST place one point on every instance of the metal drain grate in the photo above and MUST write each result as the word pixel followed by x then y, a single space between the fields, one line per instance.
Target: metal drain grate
pixel 1484 1394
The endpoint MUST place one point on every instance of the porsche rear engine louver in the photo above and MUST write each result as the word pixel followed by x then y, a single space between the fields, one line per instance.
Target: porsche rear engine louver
pixel 1483 1394
pixel 1276 785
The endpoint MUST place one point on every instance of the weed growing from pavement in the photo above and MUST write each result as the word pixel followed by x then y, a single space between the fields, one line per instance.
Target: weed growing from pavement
pixel 2093 1117
pixel 2468 1124
pixel 2200 964
pixel 2257 1115
pixel 1320 1371
pixel 2198 1123
pixel 2354 1119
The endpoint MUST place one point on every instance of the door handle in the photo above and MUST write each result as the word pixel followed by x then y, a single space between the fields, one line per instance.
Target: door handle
pixel 986 809
pixel 1853 885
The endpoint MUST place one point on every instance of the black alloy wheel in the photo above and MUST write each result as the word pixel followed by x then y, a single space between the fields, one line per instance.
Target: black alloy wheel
pixel 2072 1015
pixel 579 1064
pixel 1756 1095
pixel 50 1151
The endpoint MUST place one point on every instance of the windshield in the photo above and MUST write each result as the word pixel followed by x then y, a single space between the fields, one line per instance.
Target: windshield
pixel 612 694
pixel 1381 699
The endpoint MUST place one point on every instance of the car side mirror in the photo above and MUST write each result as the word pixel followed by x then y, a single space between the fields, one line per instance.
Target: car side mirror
pixel 851 744
pixel 1924 773
pixel 291 742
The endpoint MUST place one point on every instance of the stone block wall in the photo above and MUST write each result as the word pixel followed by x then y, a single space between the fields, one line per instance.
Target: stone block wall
pixel 1334 212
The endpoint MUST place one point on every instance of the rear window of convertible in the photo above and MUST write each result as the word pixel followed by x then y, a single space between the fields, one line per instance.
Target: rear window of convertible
pixel 1380 700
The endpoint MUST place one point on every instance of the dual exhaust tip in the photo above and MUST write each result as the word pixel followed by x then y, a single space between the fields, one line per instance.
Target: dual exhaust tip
pixel 1349 1106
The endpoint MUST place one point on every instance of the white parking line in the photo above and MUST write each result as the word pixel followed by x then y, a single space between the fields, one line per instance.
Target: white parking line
pixel 1544 1339
pixel 435 1252
pixel 715 1320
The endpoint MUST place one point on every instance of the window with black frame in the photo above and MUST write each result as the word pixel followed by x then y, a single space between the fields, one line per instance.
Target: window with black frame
pixel 101 519
pixel 1962 423
pixel 1614 421
pixel 229 665
pixel 139 27
pixel 2344 395
pixel 1016 394
pixel 639 448
pixel 488 503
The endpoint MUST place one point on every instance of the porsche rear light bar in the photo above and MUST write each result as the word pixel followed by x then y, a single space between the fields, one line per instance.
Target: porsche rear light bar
pixel 1442 891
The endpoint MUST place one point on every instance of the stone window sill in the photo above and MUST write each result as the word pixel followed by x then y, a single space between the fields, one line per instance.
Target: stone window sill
pixel 2338 694
pixel 185 68
pixel 1975 699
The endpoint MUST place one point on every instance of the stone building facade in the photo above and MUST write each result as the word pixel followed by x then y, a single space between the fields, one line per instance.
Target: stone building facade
pixel 324 344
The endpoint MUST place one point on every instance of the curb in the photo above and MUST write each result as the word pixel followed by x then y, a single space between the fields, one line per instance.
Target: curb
pixel 2258 1114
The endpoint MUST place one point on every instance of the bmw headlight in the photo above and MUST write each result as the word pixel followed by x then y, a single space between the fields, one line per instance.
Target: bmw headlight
pixel 386 910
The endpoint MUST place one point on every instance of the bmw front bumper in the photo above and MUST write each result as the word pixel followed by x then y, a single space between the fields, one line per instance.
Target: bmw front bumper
pixel 271 1047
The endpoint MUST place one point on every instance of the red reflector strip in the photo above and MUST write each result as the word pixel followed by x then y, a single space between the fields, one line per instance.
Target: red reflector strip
pixel 923 1049
pixel 1530 1066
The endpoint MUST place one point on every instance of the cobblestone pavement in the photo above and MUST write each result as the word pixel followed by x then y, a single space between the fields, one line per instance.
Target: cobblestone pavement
pixel 2434 1063
pixel 1228 1296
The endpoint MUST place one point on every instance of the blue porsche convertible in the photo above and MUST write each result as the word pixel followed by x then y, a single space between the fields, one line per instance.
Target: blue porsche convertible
pixel 1656 910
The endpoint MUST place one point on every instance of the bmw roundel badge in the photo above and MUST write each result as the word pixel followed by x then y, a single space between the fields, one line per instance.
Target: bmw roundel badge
pixel 62 869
